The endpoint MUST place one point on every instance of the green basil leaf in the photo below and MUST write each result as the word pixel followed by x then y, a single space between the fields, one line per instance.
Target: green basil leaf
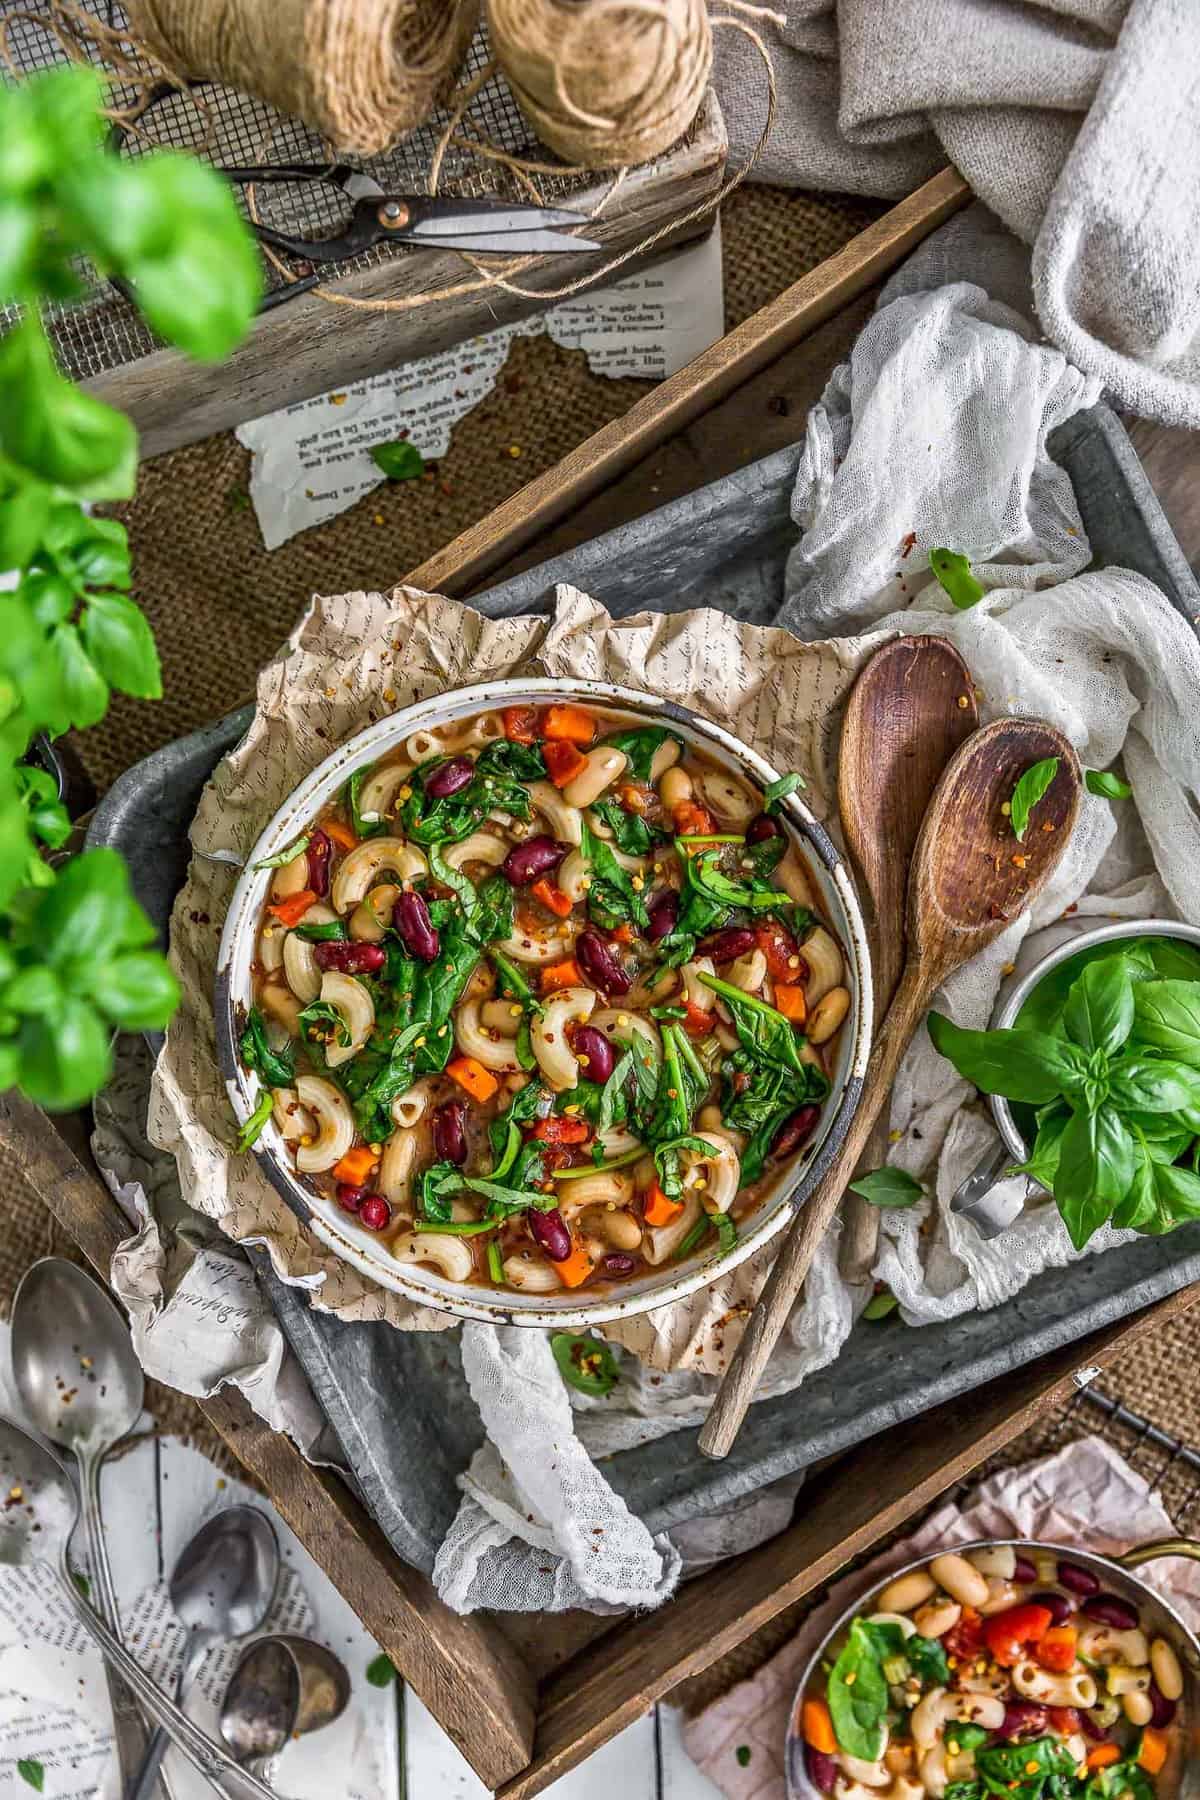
pixel 858 1706
pixel 30 1770
pixel 641 745
pixel 1106 784
pixel 1032 786
pixel 1095 1169
pixel 953 572
pixel 89 913
pixel 136 990
pixel 880 1306
pixel 277 1067
pixel 256 1124
pixel 381 1671
pixel 121 645
pixel 1167 1018
pixel 398 459
pixel 888 1187
pixel 55 430
pixel 585 1363
pixel 1021 1065
pixel 1042 1165
pixel 630 831
pixel 283 857
pixel 1159 1198
pixel 83 690
pixel 1148 1084
pixel 779 790
pixel 1098 1014
pixel 436 1189
pixel 64 1060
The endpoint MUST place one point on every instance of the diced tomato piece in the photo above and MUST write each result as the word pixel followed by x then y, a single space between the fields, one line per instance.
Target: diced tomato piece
pixel 563 761
pixel 698 1023
pixel 1065 1720
pixel 779 947
pixel 520 724
pixel 965 1639
pixel 1056 1650
pixel 551 897
pixel 622 933
pixel 1008 1635
pixel 560 1129
pixel 690 820
pixel 571 723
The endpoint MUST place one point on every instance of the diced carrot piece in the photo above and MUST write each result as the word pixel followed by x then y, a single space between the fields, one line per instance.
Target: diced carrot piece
pixel 520 724
pixel 658 1209
pixel 571 723
pixel 355 1167
pixel 691 820
pixel 1152 1751
pixel 1057 1649
pixel 817 1725
pixel 1102 1756
pixel 341 834
pixel 289 912
pixel 790 1001
pixel 472 1077
pixel 563 761
pixel 622 933
pixel 575 1269
pixel 562 974
pixel 551 897
pixel 698 1023
pixel 558 1129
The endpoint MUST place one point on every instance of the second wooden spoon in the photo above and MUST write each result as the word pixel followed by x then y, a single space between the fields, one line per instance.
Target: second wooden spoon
pixel 908 712
pixel 970 879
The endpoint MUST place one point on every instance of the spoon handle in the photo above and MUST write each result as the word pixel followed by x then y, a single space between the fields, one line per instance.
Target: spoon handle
pixel 129 1731
pixel 774 1304
pixel 213 1762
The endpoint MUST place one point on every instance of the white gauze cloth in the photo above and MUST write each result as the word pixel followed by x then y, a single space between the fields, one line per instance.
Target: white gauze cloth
pixel 935 431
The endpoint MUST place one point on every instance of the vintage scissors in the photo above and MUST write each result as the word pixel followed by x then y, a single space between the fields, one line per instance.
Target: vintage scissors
pixel 483 226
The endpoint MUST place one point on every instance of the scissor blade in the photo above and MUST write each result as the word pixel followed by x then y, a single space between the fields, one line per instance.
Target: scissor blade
pixel 502 243
pixel 451 218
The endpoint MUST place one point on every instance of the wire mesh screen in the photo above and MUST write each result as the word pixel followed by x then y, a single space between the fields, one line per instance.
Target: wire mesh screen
pixel 104 331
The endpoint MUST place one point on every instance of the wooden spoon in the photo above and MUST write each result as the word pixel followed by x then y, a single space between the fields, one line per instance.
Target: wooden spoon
pixel 911 707
pixel 970 878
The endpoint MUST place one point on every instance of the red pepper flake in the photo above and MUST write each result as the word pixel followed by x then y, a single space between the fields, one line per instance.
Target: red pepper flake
pixel 906 543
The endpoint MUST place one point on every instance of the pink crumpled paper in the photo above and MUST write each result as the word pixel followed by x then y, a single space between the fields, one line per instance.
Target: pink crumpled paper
pixel 1084 1495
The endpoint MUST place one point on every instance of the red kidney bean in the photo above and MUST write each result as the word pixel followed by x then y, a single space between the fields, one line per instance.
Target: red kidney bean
pixel 822 1770
pixel 618 1262
pixel 535 857
pixel 1109 1610
pixel 1024 1571
pixel 450 1132
pixel 410 916
pixel 762 826
pixel 587 1041
pixel 549 1232
pixel 451 778
pixel 724 946
pixel 350 959
pixel 663 916
pixel 1079 1580
pixel 374 1212
pixel 1057 1605
pixel 320 849
pixel 795 1131
pixel 1164 1709
pixel 349 1197
pixel 600 963
pixel 1023 1719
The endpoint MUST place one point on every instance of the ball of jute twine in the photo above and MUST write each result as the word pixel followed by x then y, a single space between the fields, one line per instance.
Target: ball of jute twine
pixel 360 72
pixel 604 82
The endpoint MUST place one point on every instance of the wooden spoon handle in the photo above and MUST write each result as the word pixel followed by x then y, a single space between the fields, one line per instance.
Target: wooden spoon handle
pixel 794 1260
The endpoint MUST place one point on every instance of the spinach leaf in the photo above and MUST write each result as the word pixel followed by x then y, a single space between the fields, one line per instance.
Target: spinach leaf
pixel 757 1097
pixel 1021 1065
pixel 1022 1769
pixel 1095 1168
pixel 666 1161
pixel 283 856
pixel 277 1067
pixel 927 1659
pixel 1106 784
pixel 519 762
pixel 760 1028
pixel 1116 1780
pixel 612 898
pixel 953 572
pixel 459 884
pixel 679 1089
pixel 779 790
pixel 363 827
pixel 763 859
pixel 436 1189
pixel 585 1363
pixel 333 933
pixel 507 1200
pixel 888 1187
pixel 324 1013
pixel 511 982
pixel 964 1790
pixel 428 821
pixel 703 873
pixel 613 1108
pixel 255 1125
pixel 528 1103
pixel 1167 1018
pixel 630 831
pixel 1032 786
pixel 858 1705
pixel 437 988
pixel 640 747
pixel 1159 1197
pixel 1098 1014
pixel 389 1076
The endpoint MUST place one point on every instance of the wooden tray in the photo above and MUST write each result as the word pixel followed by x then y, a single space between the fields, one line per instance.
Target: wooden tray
pixel 527 1699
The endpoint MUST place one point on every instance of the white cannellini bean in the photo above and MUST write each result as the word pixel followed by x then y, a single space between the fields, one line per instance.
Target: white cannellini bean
pixel 907 1592
pixel 675 787
pixel 601 768
pixel 1167 1670
pixel 936 1617
pixel 960 1580
pixel 291 878
pixel 827 1016
pixel 664 758
pixel 996 1559
pixel 1138 1707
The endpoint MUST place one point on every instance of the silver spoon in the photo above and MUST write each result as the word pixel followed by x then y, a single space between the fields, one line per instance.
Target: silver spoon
pixel 82 1387
pixel 283 1687
pixel 39 1509
pixel 221 1588
pixel 324 1684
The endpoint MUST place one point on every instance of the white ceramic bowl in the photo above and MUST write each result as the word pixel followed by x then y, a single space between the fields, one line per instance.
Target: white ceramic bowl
pixel 336 1229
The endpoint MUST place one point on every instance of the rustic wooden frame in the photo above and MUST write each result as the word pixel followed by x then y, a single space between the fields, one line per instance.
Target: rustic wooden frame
pixel 526 1705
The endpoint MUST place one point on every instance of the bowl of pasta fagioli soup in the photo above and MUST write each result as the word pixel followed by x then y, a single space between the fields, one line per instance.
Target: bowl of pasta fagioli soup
pixel 544 1001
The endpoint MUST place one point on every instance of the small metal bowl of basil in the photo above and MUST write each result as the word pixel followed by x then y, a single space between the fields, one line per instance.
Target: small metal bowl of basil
pixel 1170 950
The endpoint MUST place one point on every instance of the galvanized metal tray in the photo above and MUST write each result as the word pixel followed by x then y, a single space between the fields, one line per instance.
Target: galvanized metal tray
pixel 397 1401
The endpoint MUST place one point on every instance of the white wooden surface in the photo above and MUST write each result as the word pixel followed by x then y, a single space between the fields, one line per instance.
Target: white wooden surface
pixel 387 1747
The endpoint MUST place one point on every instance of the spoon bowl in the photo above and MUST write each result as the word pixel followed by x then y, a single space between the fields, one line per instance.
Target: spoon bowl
pixel 73 1361
pixel 261 1707
pixel 324 1684
pixel 225 1578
